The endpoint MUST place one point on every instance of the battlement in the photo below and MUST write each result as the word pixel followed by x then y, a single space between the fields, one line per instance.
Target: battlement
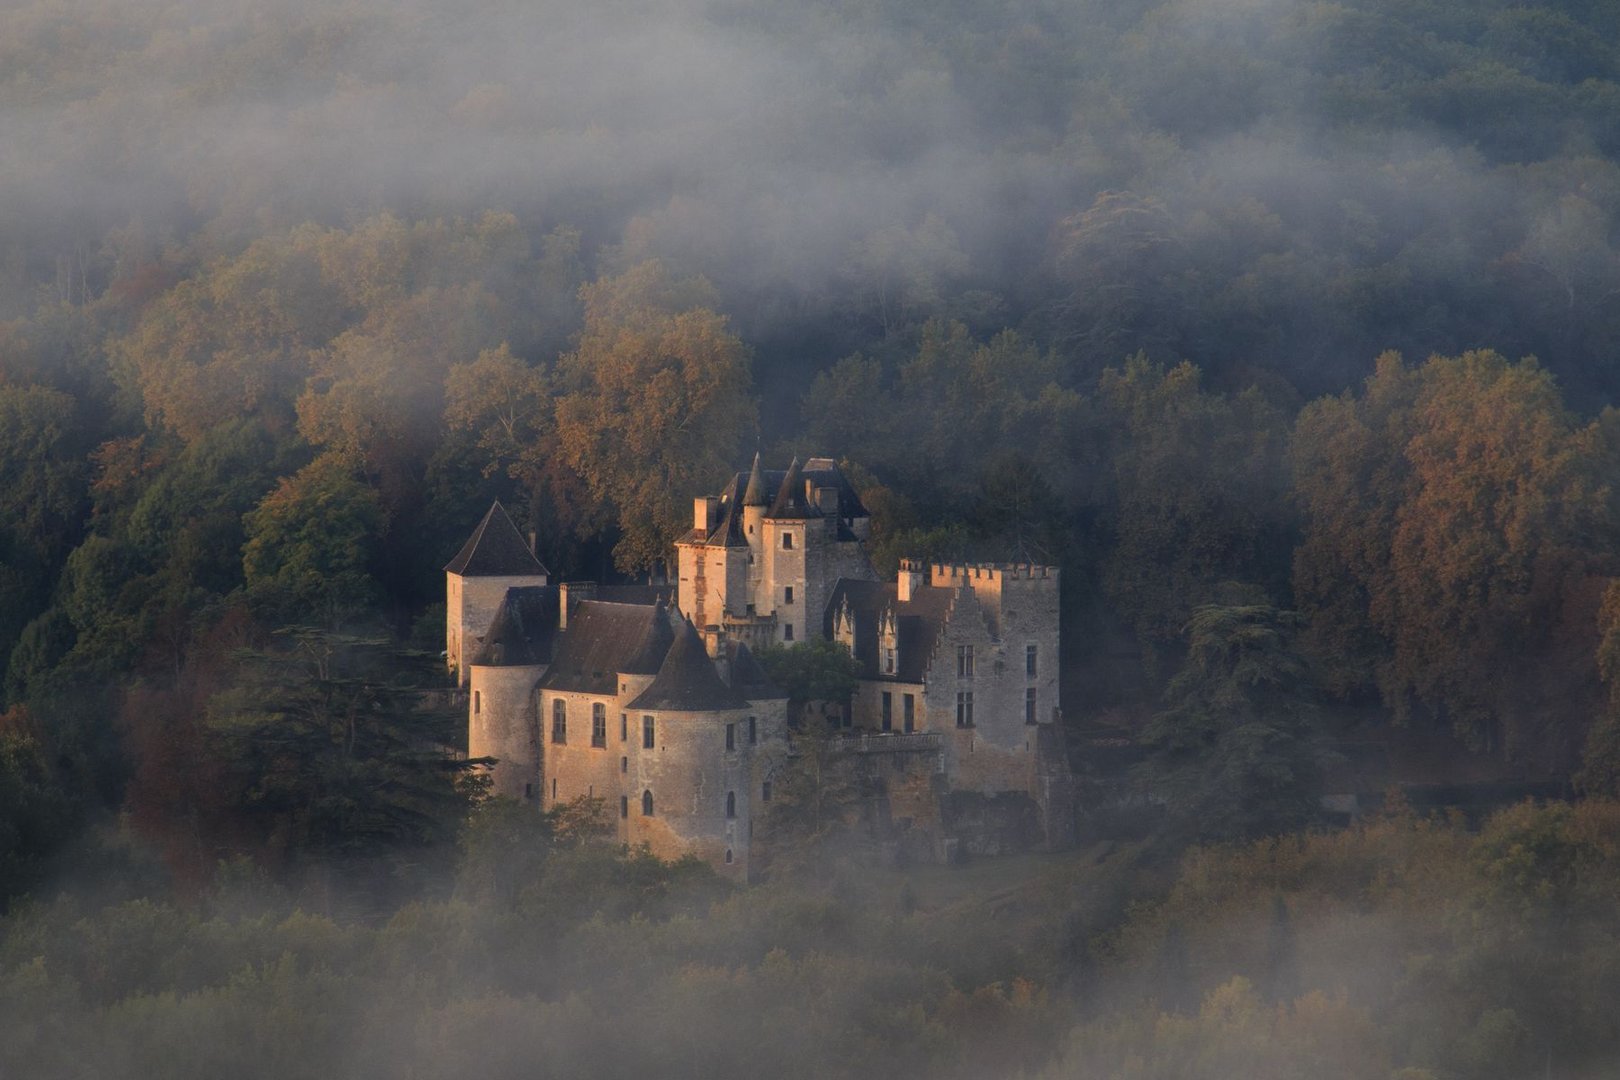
pixel 952 574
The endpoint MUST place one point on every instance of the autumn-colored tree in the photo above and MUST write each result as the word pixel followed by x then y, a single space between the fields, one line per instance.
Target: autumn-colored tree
pixel 1455 517
pixel 234 339
pixel 655 403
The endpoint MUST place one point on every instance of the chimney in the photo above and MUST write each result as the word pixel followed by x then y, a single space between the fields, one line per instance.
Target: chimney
pixel 705 513
pixel 714 643
pixel 569 594
pixel 910 580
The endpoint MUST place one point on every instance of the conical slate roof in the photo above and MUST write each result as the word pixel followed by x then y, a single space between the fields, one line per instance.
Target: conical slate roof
pixel 495 549
pixel 749 679
pixel 755 493
pixel 790 500
pixel 510 642
pixel 654 645
pixel 687 681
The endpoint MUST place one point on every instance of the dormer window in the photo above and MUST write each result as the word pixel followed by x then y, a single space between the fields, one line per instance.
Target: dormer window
pixel 888 661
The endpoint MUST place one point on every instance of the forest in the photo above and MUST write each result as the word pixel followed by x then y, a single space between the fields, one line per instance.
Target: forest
pixel 1290 330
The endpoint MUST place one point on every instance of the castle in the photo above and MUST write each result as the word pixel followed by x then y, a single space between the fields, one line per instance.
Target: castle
pixel 650 698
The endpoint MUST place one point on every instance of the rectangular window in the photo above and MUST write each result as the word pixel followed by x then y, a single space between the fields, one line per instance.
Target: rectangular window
pixel 765 791
pixel 787 595
pixel 624 727
pixel 624 806
pixel 888 661
pixel 731 736
pixel 1029 705
pixel 559 721
pixel 753 730
pixel 598 724
pixel 964 661
pixel 478 702
pixel 964 708
pixel 787 632
pixel 624 764
pixel 647 732
pixel 1029 660
pixel 908 709
pixel 888 711
pixel 787 541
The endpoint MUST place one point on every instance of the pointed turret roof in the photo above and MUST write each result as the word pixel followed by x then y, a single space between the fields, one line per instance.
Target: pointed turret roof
pixel 790 499
pixel 755 494
pixel 495 549
pixel 687 680
pixel 511 642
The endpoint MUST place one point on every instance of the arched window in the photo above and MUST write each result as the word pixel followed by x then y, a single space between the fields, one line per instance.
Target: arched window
pixel 731 804
pixel 646 804
pixel 559 720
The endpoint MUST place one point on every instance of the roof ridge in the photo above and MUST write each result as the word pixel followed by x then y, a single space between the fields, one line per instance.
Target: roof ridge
pixel 496 549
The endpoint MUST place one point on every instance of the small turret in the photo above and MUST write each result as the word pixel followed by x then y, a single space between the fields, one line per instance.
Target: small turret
pixel 754 494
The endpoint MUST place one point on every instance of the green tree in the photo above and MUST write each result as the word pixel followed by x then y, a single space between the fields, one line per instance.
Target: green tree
pixel 1199 494
pixel 1234 752
pixel 814 671
pixel 328 746
pixel 310 542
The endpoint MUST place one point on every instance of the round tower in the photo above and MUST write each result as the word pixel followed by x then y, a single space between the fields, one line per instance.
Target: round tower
pixel 502 722
pixel 756 502
pixel 690 787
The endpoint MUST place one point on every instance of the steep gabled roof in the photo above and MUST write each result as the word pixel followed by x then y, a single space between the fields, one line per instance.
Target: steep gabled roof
pixel 495 549
pixel 824 472
pixel 728 530
pixel 521 633
pixel 918 624
pixel 601 639
pixel 790 498
pixel 654 645
pixel 687 681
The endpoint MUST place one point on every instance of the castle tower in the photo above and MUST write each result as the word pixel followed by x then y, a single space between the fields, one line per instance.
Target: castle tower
pixel 712 560
pixel 756 500
pixel 691 777
pixel 494 559
pixel 502 721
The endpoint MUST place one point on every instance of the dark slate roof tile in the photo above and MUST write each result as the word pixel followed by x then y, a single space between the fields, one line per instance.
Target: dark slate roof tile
pixel 495 549
pixel 601 638
pixel 687 681
pixel 522 631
